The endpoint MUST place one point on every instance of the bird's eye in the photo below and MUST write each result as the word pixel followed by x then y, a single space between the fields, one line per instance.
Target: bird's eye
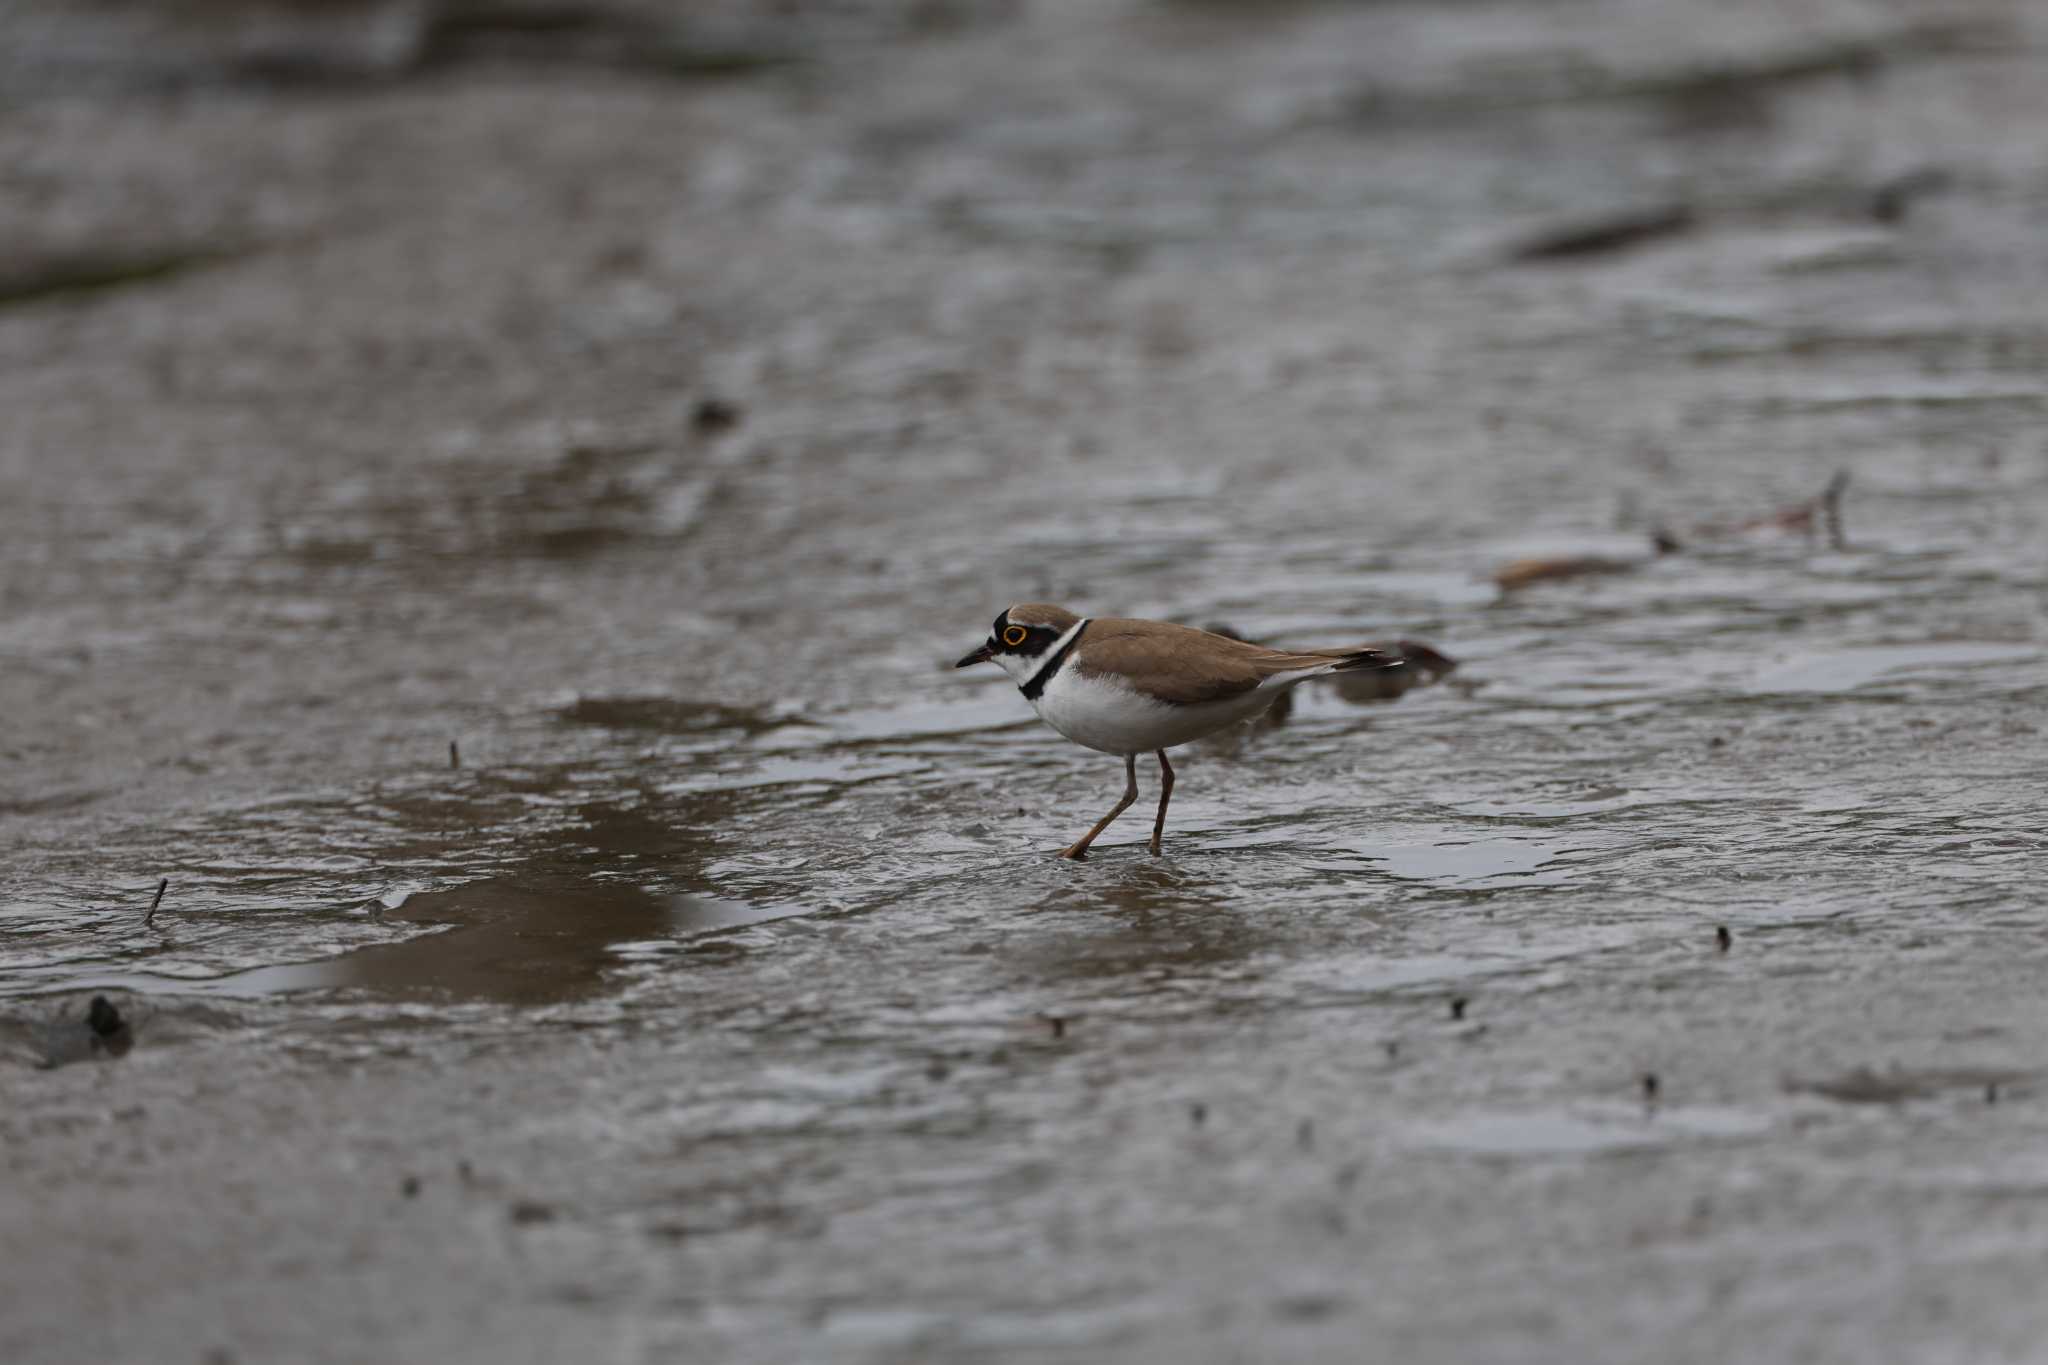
pixel 1015 636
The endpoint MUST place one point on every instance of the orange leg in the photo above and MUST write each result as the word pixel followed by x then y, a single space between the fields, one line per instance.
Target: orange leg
pixel 1080 850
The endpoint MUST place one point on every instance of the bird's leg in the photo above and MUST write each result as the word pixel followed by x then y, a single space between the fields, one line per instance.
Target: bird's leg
pixel 1165 795
pixel 1080 850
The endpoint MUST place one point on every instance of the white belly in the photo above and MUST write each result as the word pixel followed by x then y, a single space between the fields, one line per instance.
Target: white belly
pixel 1110 717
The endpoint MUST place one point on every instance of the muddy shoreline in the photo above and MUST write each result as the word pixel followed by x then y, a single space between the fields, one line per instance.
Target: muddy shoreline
pixel 651 402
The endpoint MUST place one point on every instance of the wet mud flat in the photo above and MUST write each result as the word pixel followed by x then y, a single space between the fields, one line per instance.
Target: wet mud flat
pixel 490 497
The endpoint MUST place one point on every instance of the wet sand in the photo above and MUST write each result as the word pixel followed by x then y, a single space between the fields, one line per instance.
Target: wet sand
pixel 654 411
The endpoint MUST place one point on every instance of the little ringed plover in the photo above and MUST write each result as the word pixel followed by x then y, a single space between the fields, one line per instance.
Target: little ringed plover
pixel 1131 687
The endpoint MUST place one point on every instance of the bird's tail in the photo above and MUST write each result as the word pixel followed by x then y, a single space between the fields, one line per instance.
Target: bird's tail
pixel 1367 660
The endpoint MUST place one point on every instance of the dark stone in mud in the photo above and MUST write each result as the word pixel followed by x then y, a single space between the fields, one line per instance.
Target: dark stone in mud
pixel 715 416
pixel 103 1019
pixel 530 1212
pixel 1458 1004
pixel 101 1031
pixel 113 1035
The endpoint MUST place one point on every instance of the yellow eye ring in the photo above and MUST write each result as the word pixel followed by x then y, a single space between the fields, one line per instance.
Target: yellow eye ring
pixel 1014 636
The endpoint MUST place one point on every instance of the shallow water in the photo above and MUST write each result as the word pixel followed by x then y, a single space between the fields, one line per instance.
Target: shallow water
pixel 719 994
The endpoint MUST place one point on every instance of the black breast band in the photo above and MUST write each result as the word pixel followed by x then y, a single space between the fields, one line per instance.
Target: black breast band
pixel 1036 686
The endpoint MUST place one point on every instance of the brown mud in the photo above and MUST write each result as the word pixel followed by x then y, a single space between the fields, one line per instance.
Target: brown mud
pixel 650 402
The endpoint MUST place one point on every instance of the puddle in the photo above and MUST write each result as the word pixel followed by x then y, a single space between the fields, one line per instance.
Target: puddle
pixel 530 942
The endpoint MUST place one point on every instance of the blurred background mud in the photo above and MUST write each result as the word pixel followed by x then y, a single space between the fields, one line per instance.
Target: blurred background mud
pixel 650 400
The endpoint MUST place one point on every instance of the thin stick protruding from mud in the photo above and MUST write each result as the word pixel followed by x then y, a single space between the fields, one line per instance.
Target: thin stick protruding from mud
pixel 454 755
pixel 163 884
pixel 1830 501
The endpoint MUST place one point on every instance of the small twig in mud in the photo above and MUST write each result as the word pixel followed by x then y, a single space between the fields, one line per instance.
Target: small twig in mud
pixel 454 754
pixel 163 884
pixel 1831 509
pixel 1650 1087
pixel 1722 938
pixel 1458 1003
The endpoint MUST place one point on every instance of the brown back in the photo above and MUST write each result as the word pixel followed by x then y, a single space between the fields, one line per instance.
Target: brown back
pixel 1179 664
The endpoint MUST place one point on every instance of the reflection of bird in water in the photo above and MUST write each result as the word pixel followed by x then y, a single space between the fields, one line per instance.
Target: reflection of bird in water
pixel 1425 664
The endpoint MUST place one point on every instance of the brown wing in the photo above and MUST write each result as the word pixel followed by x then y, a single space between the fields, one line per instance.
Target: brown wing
pixel 1178 664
